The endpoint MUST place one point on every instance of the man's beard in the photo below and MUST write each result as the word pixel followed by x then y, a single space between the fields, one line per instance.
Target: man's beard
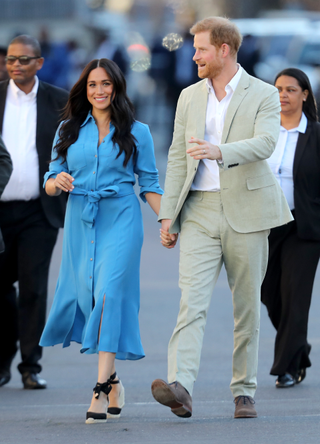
pixel 215 70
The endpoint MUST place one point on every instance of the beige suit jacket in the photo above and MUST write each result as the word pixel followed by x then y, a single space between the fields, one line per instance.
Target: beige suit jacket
pixel 251 196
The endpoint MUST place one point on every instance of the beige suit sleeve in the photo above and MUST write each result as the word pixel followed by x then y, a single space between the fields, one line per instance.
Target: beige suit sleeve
pixel 177 165
pixel 265 136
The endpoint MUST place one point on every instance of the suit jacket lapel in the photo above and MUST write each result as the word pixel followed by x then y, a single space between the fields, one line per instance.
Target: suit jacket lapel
pixel 200 109
pixel 3 96
pixel 301 144
pixel 240 92
pixel 41 105
pixel 41 116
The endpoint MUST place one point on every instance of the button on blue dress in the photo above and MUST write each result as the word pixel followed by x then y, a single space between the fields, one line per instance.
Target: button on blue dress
pixel 99 275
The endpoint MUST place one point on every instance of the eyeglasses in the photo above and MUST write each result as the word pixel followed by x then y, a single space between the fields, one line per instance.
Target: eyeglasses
pixel 23 60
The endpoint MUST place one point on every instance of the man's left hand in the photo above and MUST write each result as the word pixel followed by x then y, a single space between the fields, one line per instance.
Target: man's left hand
pixel 204 150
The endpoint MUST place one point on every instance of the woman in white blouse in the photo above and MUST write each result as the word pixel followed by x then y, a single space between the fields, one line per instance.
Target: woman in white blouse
pixel 294 248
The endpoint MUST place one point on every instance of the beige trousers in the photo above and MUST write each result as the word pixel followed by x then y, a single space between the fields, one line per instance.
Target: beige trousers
pixel 207 241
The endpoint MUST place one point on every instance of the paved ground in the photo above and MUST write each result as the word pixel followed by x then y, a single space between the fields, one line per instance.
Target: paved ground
pixel 56 415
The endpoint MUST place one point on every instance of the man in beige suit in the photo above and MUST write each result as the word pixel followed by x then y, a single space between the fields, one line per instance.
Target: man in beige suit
pixel 222 197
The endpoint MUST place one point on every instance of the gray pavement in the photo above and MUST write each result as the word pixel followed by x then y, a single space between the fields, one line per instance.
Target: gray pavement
pixel 56 415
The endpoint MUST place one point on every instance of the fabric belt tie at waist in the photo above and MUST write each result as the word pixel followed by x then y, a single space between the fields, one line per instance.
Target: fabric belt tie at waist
pixel 90 211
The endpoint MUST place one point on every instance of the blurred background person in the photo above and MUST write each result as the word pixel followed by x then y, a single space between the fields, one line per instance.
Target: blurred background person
pixel 3 69
pixel 173 70
pixel 184 69
pixel 248 55
pixel 56 69
pixel 162 67
pixel 108 49
pixel 294 248
pixel 29 219
pixel 78 58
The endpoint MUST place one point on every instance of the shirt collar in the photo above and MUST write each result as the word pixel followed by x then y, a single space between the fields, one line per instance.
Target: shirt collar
pixel 89 117
pixel 17 92
pixel 231 85
pixel 301 128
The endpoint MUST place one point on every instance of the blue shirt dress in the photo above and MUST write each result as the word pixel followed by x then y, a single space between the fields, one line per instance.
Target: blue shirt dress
pixel 100 269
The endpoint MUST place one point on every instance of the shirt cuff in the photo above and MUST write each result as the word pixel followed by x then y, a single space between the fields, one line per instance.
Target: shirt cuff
pixel 49 175
pixel 144 191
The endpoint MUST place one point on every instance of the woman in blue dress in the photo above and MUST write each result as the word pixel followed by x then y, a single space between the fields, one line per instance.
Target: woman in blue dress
pixel 98 149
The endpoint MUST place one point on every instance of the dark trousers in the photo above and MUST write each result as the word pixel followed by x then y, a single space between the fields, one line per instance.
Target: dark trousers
pixel 29 240
pixel 286 292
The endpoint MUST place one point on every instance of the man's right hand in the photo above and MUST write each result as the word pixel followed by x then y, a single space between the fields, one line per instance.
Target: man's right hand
pixel 168 240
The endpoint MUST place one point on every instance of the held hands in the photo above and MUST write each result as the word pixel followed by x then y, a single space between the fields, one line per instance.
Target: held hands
pixel 168 240
pixel 63 182
pixel 204 150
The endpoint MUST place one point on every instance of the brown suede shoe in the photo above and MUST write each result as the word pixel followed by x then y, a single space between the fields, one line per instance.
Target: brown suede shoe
pixel 244 407
pixel 173 395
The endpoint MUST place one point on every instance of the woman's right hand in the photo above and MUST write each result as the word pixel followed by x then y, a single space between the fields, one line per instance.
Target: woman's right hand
pixel 63 182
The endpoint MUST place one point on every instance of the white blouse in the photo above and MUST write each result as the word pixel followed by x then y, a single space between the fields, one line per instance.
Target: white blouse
pixel 281 160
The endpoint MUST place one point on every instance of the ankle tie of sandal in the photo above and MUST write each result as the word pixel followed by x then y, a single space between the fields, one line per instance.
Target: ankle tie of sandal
pixel 105 387
pixel 112 379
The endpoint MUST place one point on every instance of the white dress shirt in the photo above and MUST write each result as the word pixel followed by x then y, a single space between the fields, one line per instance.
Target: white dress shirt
pixel 19 135
pixel 281 160
pixel 207 177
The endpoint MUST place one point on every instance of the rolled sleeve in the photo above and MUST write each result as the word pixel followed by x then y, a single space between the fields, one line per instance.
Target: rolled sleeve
pixel 56 165
pixel 145 163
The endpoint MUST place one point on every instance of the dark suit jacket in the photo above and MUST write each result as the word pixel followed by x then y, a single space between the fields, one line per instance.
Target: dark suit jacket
pixel 50 101
pixel 5 172
pixel 306 179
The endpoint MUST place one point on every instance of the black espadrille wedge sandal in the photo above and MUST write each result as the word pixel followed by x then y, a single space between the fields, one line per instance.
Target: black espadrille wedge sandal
pixel 93 417
pixel 115 412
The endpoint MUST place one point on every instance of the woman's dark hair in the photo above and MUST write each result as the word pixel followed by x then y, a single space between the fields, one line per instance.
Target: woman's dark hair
pixel 78 106
pixel 309 107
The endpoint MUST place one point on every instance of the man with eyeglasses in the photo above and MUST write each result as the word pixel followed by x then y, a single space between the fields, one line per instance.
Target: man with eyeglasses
pixel 29 219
